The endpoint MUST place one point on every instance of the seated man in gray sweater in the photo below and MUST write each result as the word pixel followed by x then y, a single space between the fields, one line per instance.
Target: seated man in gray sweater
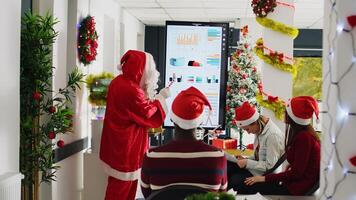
pixel 268 146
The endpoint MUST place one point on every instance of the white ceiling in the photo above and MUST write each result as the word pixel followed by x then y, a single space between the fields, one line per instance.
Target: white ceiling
pixel 308 13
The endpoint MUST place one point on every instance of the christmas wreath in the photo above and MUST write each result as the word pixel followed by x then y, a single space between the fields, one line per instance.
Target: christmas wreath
pixel 87 40
pixel 262 7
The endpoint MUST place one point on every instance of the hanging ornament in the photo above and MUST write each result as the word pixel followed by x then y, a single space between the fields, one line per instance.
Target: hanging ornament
pixel 36 96
pixel 60 143
pixel 51 135
pixel 52 109
pixel 353 161
pixel 352 20
pixel 243 90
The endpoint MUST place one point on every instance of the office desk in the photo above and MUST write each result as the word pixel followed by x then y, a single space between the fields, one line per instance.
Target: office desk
pixel 237 152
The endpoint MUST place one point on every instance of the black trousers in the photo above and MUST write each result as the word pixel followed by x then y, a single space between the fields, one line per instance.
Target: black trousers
pixel 236 177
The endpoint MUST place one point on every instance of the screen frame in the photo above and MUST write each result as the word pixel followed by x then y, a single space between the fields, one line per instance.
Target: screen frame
pixel 223 69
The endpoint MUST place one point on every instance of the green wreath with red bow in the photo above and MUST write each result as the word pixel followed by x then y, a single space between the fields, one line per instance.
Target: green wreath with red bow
pixel 87 40
pixel 261 8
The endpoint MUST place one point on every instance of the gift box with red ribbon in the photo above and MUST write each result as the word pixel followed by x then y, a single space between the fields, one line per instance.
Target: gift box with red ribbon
pixel 225 143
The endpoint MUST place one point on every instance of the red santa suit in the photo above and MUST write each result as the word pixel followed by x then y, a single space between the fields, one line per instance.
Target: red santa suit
pixel 128 116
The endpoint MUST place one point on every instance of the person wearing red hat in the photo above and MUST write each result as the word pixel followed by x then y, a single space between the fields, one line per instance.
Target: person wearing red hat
pixel 302 148
pixel 268 146
pixel 132 107
pixel 185 160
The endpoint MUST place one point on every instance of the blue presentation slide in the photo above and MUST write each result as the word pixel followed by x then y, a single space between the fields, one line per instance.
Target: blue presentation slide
pixel 194 58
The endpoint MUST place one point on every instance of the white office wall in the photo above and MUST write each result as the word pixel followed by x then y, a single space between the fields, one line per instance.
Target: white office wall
pixel 10 18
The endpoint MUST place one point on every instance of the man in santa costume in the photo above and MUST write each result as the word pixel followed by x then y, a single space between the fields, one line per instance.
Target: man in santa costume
pixel 132 107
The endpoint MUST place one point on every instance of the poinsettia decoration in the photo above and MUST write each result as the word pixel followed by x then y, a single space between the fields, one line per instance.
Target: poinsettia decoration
pixel 87 41
pixel 262 7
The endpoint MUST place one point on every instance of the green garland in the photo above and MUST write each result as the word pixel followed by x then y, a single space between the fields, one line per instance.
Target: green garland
pixel 273 61
pixel 278 107
pixel 277 26
pixel 97 85
pixel 211 196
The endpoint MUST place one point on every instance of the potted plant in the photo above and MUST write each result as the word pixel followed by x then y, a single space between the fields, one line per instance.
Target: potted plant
pixel 44 113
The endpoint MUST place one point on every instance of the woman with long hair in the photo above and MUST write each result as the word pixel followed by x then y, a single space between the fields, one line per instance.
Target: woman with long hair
pixel 302 148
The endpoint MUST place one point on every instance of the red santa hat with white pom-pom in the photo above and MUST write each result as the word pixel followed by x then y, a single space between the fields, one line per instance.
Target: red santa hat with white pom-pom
pixel 188 108
pixel 246 114
pixel 302 108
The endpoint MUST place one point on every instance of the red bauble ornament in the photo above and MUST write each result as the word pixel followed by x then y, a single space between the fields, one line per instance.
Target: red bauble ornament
pixel 60 143
pixel 244 76
pixel 52 109
pixel 243 90
pixel 36 96
pixel 51 135
pixel 353 161
pixel 234 122
pixel 228 88
pixel 227 108
pixel 246 46
pixel 352 20
pixel 249 146
pixel 238 52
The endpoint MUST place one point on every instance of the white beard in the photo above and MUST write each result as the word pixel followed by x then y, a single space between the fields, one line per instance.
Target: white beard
pixel 150 78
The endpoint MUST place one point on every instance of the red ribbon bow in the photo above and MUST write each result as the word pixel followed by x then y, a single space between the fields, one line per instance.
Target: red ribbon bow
pixel 272 99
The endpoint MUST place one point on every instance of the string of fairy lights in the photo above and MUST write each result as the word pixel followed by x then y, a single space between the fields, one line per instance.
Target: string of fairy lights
pixel 333 80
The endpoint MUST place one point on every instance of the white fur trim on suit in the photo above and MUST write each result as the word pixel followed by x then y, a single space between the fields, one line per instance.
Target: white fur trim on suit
pixel 162 100
pixel 204 154
pixel 187 124
pixel 205 186
pixel 124 176
pixel 295 118
pixel 248 121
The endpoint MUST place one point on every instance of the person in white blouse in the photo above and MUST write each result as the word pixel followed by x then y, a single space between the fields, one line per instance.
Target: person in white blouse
pixel 268 146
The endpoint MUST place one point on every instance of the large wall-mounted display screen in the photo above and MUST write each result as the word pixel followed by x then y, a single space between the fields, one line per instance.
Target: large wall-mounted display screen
pixel 196 55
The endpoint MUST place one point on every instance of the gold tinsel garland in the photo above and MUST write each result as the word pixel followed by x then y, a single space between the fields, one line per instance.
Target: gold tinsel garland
pixel 277 26
pixel 258 49
pixel 277 106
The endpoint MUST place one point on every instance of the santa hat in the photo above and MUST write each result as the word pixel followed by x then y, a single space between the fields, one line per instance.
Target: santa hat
pixel 246 114
pixel 188 108
pixel 302 108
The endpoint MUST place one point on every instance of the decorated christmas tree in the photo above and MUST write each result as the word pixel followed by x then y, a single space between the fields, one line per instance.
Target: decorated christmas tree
pixel 243 80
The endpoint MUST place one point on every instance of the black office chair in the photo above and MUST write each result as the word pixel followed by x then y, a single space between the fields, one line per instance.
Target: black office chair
pixel 176 192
